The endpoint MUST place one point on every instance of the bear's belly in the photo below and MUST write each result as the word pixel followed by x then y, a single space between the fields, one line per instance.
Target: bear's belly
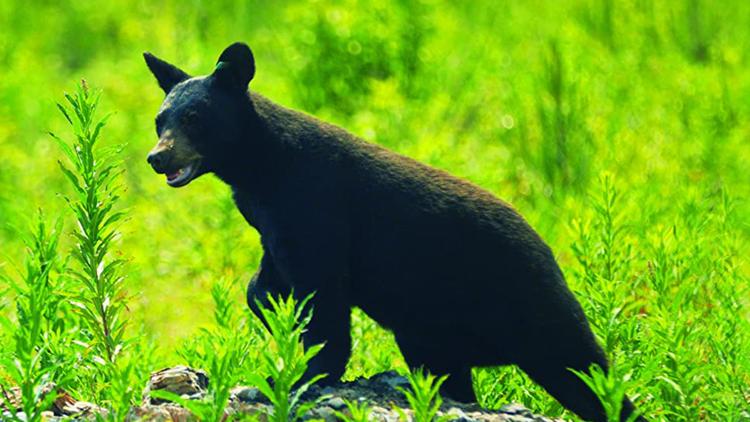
pixel 408 296
pixel 423 276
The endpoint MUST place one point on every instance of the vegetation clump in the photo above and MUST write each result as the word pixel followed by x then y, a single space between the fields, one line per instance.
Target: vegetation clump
pixel 619 129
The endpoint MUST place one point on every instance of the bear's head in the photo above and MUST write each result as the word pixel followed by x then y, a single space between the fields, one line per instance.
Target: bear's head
pixel 200 115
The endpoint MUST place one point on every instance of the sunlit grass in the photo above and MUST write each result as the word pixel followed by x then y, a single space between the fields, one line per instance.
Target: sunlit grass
pixel 618 129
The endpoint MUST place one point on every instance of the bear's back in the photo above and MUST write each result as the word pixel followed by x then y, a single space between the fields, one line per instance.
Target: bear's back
pixel 420 239
pixel 417 231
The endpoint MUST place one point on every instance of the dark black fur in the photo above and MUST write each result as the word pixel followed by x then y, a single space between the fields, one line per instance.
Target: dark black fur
pixel 458 275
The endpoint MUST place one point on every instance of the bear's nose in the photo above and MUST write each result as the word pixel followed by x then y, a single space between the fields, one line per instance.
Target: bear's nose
pixel 158 160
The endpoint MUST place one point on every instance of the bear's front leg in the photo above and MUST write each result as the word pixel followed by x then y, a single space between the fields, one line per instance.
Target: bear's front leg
pixel 313 263
pixel 265 281
pixel 330 324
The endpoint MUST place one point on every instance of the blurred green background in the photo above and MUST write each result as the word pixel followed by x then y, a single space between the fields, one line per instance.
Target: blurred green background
pixel 534 101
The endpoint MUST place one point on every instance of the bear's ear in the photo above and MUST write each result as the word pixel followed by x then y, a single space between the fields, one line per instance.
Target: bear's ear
pixel 236 66
pixel 166 74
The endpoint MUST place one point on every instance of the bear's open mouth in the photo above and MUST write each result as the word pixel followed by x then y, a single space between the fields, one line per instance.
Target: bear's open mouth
pixel 184 175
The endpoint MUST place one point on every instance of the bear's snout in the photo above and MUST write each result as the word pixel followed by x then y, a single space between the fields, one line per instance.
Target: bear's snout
pixel 158 160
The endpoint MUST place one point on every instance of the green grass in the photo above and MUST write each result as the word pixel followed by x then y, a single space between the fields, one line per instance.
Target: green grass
pixel 618 129
pixel 36 303
pixel 423 394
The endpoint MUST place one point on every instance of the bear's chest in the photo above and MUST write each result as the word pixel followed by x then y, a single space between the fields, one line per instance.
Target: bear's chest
pixel 252 209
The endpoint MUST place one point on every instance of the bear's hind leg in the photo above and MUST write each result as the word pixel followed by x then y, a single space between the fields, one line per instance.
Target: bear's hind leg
pixel 458 386
pixel 565 386
pixel 417 354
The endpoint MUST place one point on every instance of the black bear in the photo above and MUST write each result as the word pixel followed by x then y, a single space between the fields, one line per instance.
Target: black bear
pixel 452 270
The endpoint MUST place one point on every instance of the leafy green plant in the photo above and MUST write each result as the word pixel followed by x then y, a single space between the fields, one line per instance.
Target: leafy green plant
pixel 35 302
pixel 97 279
pixel 285 366
pixel 605 255
pixel 226 353
pixel 598 17
pixel 567 144
pixel 230 331
pixel 652 92
pixel 424 394
pixel 224 306
pixel 342 51
pixel 609 388
pixel 123 387
pixel 93 176
pixel 695 25
pixel 222 371
pixel 357 411
pixel 225 350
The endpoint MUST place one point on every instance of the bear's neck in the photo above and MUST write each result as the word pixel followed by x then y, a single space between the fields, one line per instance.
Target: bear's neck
pixel 267 146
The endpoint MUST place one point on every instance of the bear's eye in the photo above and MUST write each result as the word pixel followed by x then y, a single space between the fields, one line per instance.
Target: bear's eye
pixel 159 124
pixel 189 118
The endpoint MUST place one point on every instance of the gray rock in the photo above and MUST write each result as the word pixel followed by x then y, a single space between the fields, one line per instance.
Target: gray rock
pixel 321 412
pixel 327 390
pixel 336 403
pixel 181 380
pixel 247 394
pixel 380 392
pixel 167 412
pixel 458 415
pixel 394 380
pixel 515 409
pixel 64 407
